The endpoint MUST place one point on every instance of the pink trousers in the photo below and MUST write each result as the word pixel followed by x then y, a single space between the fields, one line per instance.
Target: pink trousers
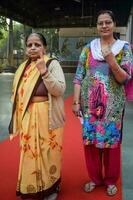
pixel 103 165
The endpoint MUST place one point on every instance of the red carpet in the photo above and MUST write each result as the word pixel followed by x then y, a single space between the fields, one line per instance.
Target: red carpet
pixel 74 173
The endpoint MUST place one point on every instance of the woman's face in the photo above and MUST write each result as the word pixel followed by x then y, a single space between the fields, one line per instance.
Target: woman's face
pixel 34 47
pixel 105 25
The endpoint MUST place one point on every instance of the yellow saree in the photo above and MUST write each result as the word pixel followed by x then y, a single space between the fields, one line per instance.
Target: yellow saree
pixel 40 149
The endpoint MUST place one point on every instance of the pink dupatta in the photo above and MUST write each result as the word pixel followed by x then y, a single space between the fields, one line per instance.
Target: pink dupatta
pixel 129 89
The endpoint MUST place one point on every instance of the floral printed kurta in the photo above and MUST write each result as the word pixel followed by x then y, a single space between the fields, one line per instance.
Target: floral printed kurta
pixel 102 98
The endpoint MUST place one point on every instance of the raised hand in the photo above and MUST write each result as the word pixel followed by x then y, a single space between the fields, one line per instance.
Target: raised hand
pixel 40 64
pixel 110 59
pixel 108 55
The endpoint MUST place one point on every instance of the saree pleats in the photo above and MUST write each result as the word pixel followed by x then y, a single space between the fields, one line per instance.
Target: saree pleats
pixel 40 152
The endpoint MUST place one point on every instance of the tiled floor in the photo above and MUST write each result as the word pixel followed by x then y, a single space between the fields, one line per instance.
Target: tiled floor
pixel 127 153
pixel 5 104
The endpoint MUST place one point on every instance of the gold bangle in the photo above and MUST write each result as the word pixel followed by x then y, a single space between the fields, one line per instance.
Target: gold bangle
pixel 76 103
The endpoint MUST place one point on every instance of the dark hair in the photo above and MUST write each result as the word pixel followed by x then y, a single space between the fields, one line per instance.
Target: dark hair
pixel 109 12
pixel 40 36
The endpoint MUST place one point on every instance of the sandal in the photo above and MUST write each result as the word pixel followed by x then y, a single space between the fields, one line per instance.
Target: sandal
pixel 51 197
pixel 89 187
pixel 112 190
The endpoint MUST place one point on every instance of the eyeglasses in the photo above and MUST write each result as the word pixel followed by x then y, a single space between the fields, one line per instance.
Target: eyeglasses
pixel 107 23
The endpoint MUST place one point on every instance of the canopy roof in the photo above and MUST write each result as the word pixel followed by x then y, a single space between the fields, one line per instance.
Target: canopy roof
pixel 63 13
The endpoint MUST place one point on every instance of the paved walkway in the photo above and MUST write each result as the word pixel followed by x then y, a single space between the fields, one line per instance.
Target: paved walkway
pixel 127 159
pixel 5 104
pixel 127 151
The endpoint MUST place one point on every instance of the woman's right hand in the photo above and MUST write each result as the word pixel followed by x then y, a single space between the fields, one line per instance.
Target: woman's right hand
pixel 11 137
pixel 40 64
pixel 76 109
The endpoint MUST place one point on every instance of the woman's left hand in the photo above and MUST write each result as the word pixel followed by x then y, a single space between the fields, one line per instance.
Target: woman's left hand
pixel 76 109
pixel 40 64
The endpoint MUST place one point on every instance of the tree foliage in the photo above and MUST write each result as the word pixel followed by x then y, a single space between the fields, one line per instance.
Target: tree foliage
pixel 3 26
pixel 52 38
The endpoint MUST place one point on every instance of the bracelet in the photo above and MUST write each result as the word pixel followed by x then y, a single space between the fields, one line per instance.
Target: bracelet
pixel 115 70
pixel 44 73
pixel 76 103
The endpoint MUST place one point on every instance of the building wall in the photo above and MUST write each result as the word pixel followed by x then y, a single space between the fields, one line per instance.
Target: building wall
pixel 129 33
pixel 72 40
pixel 84 32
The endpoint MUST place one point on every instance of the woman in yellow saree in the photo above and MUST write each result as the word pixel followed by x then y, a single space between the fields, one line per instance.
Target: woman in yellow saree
pixel 38 118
